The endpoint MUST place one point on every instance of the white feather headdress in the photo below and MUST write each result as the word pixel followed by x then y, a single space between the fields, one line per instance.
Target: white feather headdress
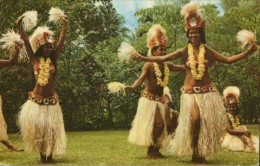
pixel 116 87
pixel 246 37
pixel 125 51
pixel 38 37
pixel 191 7
pixel 192 15
pixel 231 90
pixel 9 41
pixel 156 35
pixel 56 14
pixel 29 20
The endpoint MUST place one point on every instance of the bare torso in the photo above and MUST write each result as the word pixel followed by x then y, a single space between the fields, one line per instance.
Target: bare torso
pixel 189 80
pixel 48 89
pixel 151 80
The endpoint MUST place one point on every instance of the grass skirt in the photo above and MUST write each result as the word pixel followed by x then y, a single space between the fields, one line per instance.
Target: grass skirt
pixel 141 132
pixel 234 143
pixel 213 121
pixel 3 126
pixel 42 128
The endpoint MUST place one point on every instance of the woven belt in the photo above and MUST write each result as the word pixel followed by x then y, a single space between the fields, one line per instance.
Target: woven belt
pixel 198 89
pixel 43 100
pixel 152 96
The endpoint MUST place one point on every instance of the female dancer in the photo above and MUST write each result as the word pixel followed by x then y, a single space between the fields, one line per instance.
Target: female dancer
pixel 41 119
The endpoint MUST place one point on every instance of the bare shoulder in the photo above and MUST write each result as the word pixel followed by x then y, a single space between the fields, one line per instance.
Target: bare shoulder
pixel 209 49
pixel 148 65
pixel 182 51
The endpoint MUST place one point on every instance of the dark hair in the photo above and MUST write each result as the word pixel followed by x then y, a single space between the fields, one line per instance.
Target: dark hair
pixel 154 49
pixel 201 32
pixel 40 53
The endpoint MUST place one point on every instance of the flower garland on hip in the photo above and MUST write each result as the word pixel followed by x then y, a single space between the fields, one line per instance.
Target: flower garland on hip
pixel 198 73
pixel 234 121
pixel 158 74
pixel 44 73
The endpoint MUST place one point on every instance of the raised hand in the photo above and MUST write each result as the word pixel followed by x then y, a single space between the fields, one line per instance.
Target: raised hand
pixel 19 22
pixel 65 20
pixel 19 44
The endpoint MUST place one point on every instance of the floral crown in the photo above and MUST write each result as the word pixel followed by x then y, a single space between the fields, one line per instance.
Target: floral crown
pixel 156 36
pixel 192 15
pixel 231 94
pixel 41 36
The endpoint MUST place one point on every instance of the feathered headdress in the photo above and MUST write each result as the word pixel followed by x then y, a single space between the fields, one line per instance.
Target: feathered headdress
pixel 156 36
pixel 231 94
pixel 192 15
pixel 246 37
pixel 10 40
pixel 40 36
pixel 125 51
pixel 29 20
pixel 56 14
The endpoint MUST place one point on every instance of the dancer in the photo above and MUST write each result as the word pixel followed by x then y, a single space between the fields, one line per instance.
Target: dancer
pixel 3 127
pixel 202 114
pixel 237 138
pixel 152 124
pixel 41 119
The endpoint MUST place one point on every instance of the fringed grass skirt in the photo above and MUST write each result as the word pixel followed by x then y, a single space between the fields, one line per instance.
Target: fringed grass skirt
pixel 42 128
pixel 3 126
pixel 212 124
pixel 142 125
pixel 234 143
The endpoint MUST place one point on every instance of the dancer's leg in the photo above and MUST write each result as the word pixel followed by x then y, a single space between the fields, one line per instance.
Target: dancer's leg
pixel 153 151
pixel 10 146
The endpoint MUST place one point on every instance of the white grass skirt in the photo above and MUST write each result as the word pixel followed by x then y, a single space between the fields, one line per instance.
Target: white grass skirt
pixel 42 128
pixel 234 143
pixel 142 125
pixel 3 126
pixel 213 121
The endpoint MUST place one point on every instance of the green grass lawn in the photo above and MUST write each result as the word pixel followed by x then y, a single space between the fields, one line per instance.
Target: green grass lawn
pixel 112 148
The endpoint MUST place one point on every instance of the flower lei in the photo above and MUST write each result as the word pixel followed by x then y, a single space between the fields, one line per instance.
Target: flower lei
pixel 158 74
pixel 234 121
pixel 44 73
pixel 198 73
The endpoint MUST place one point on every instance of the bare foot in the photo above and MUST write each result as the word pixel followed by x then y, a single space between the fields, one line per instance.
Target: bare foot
pixel 199 159
pixel 14 149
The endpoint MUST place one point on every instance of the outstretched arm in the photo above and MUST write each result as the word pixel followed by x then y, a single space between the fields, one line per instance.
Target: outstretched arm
pixel 174 55
pixel 221 58
pixel 62 36
pixel 173 67
pixel 25 39
pixel 13 60
pixel 139 81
